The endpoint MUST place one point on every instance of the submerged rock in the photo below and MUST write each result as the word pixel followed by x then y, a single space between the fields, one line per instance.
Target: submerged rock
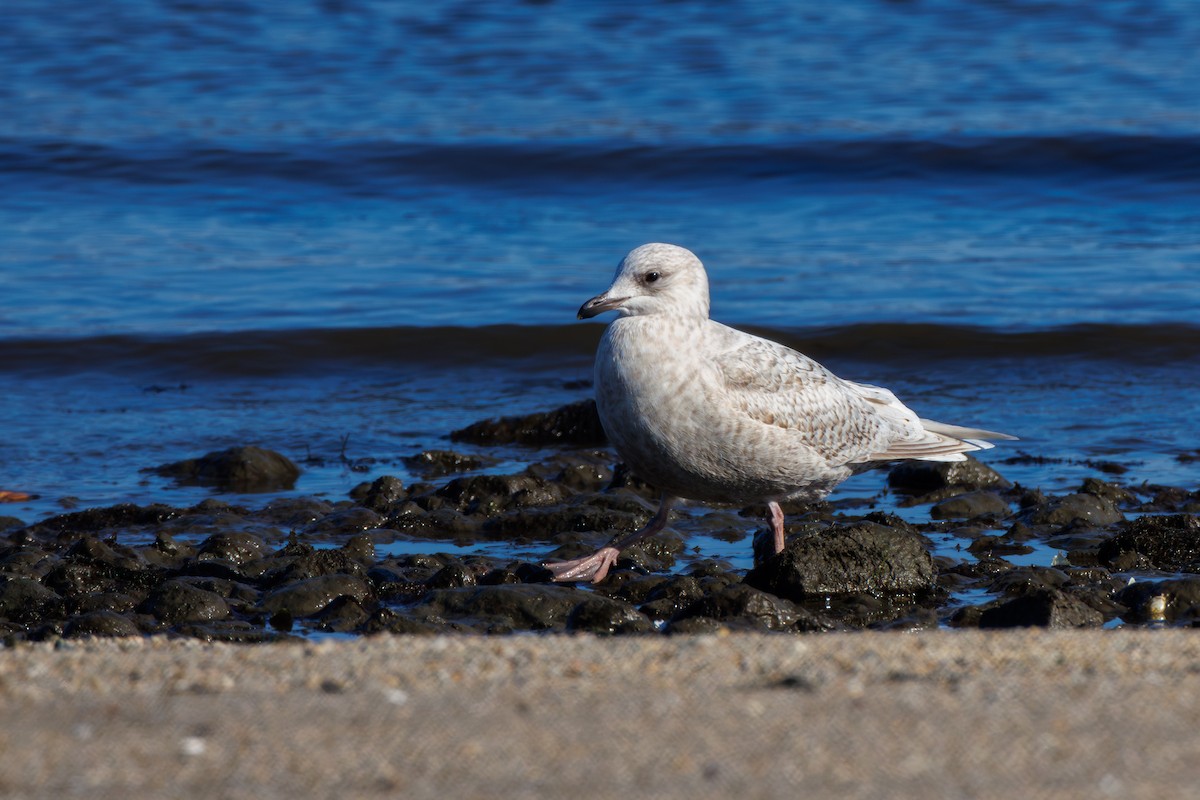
pixel 238 469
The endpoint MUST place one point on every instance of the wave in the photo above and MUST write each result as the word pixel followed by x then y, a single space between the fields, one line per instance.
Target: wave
pixel 378 167
pixel 321 351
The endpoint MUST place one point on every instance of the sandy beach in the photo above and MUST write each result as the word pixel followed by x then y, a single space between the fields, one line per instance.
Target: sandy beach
pixel 935 714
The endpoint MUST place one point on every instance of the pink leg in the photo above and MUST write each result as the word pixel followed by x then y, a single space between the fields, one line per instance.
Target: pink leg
pixel 595 567
pixel 777 524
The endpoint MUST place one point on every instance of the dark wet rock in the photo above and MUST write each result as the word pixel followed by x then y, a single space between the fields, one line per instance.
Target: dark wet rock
pixel 298 561
pixel 526 524
pixel 864 609
pixel 863 557
pixel 10 523
pixel 924 477
pixel 437 463
pixel 24 600
pixel 585 477
pixel 575 424
pixel 232 631
pixel 29 561
pixel 294 513
pixel 236 547
pixel 344 615
pixel 1112 492
pixel 116 602
pixel 1049 608
pixel 73 578
pixel 1026 580
pixel 655 554
pixel 100 623
pixel 381 495
pixel 440 523
pixel 1079 508
pixel 971 505
pixel 239 469
pixel 520 607
pixel 346 520
pixel 742 606
pixel 167 553
pixel 116 517
pixel 1168 543
pixel 998 545
pixel 220 568
pixel 489 495
pixel 597 614
pixel 307 597
pixel 1170 499
pixel 450 576
pixel 1157 601
pixel 177 601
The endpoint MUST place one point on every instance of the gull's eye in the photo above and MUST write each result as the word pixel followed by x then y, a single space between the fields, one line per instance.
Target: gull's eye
pixel 651 277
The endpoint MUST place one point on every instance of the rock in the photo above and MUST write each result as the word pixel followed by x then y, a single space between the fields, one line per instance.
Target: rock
pixel 176 601
pixel 745 607
pixel 1043 608
pixel 505 607
pixel 346 520
pixel 297 561
pixel 237 548
pixel 100 623
pixel 1079 508
pixel 382 495
pixel 544 523
pixel 1168 543
pixel 307 597
pixel 598 614
pixel 343 615
pixel 971 505
pixel 998 545
pixel 238 469
pixel 24 600
pixel 576 424
pixel 488 495
pixel 923 477
pixel 863 557
pixel 1118 495
pixel 125 515
pixel 1159 601
pixel 437 463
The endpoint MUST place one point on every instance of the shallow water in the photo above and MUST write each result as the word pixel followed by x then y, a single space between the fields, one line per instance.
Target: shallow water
pixel 342 229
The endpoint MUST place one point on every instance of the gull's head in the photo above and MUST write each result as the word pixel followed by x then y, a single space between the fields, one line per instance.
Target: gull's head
pixel 655 279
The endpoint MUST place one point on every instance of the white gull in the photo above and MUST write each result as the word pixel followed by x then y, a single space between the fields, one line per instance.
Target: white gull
pixel 705 412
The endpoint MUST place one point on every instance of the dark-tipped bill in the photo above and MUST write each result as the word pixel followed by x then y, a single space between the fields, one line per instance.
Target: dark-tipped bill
pixel 599 304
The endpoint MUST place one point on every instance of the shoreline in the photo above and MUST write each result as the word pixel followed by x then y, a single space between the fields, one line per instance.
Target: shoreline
pixel 867 714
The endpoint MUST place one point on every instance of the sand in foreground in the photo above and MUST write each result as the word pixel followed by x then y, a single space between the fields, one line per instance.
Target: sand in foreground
pixel 937 714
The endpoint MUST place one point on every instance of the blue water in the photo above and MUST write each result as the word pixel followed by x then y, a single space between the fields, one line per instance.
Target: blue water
pixel 346 228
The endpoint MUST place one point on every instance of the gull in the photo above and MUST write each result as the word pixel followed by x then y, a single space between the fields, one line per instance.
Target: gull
pixel 705 412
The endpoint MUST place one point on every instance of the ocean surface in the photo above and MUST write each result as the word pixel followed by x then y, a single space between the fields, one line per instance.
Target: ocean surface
pixel 342 229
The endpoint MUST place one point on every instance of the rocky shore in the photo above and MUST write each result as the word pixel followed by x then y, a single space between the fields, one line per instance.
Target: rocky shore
pixel 312 566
